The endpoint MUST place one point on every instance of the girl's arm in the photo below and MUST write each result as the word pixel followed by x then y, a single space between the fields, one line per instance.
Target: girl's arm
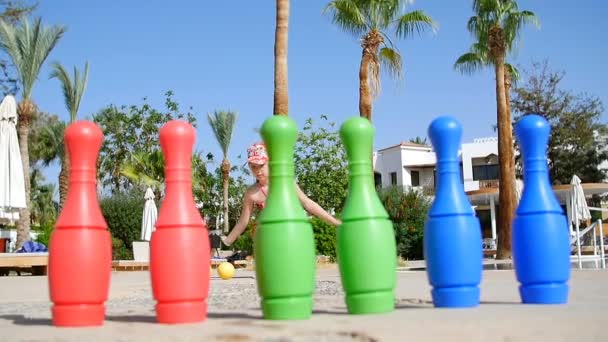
pixel 315 209
pixel 241 225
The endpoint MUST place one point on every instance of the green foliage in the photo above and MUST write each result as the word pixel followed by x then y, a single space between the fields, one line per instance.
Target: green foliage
pixel 497 25
pixel 120 251
pixel 321 165
pixel 222 124
pixel 123 215
pixel 45 231
pixel 45 139
pixel 383 18
pixel 245 242
pixel 325 237
pixel 73 88
pixel 573 148
pixel 11 12
pixel 212 196
pixel 43 208
pixel 28 45
pixel 408 210
pixel 131 130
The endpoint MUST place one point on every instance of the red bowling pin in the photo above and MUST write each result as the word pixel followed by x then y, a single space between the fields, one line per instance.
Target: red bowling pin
pixel 179 247
pixel 80 249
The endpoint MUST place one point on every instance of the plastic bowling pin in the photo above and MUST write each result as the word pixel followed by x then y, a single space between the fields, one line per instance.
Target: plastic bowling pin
pixel 80 249
pixel 179 247
pixel 366 247
pixel 284 246
pixel 541 246
pixel 452 233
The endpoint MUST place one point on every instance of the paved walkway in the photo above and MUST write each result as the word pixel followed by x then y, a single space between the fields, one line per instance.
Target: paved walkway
pixel 234 313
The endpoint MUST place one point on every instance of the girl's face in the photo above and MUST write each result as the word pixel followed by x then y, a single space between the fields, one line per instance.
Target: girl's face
pixel 260 171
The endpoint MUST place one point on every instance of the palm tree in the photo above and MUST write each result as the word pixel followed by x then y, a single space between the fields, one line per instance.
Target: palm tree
pixel 371 20
pixel 477 59
pixel 222 124
pixel 418 140
pixel 73 89
pixel 43 206
pixel 147 169
pixel 281 93
pixel 28 46
pixel 496 25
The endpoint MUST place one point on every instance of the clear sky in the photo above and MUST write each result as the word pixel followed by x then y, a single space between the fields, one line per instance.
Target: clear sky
pixel 219 55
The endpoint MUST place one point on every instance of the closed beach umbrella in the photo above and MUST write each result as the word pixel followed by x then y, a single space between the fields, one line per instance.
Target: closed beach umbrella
pixel 12 186
pixel 579 203
pixel 149 216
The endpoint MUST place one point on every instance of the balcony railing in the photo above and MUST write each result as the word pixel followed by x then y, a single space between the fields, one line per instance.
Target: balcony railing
pixel 488 183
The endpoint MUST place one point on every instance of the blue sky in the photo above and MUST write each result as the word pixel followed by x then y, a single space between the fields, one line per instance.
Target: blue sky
pixel 219 55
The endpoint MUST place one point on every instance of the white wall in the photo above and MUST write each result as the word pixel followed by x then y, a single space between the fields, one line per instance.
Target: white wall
pixel 479 148
pixel 389 161
pixel 403 159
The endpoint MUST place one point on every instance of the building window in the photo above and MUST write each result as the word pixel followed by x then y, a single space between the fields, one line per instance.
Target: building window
pixel 377 179
pixel 415 176
pixel 393 178
pixel 485 172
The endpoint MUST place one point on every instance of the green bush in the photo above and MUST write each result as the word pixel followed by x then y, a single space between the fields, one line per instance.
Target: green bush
pixel 44 233
pixel 123 215
pixel 245 242
pixel 408 210
pixel 120 251
pixel 325 238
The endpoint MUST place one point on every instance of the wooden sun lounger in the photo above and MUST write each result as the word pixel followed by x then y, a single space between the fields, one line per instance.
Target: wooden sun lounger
pixel 36 263
pixel 132 265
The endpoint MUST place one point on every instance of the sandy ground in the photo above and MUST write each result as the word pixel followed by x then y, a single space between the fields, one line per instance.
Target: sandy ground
pixel 234 313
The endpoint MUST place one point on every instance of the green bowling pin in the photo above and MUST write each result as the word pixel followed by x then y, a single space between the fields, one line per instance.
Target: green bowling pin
pixel 367 253
pixel 284 246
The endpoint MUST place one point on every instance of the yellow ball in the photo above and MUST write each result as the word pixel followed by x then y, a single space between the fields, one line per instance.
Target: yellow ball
pixel 225 270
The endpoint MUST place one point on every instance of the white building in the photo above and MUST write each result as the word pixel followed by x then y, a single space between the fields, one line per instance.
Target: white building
pixel 413 165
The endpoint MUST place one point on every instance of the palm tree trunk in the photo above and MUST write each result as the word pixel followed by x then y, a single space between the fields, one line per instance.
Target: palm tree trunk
pixel 64 179
pixel 25 110
pixel 365 97
pixel 281 95
pixel 506 183
pixel 226 179
pixel 508 91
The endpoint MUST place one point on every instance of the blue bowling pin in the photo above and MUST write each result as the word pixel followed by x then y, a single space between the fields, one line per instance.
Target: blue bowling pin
pixel 452 233
pixel 541 246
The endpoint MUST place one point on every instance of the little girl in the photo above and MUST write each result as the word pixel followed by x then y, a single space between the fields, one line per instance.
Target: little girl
pixel 255 196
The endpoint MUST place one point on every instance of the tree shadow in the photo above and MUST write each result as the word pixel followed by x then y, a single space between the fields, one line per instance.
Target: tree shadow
pixel 22 320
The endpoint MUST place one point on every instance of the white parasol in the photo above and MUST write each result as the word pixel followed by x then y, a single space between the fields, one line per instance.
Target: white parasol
pixel 12 186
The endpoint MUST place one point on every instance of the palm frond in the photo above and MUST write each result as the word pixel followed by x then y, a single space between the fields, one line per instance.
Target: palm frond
pixel 513 71
pixel 73 89
pixel 470 62
pixel 28 46
pixel 414 22
pixel 391 60
pixel 222 124
pixel 513 22
pixel 348 16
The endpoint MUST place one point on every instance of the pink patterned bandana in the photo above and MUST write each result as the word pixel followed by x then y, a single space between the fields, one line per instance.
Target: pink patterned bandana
pixel 256 154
